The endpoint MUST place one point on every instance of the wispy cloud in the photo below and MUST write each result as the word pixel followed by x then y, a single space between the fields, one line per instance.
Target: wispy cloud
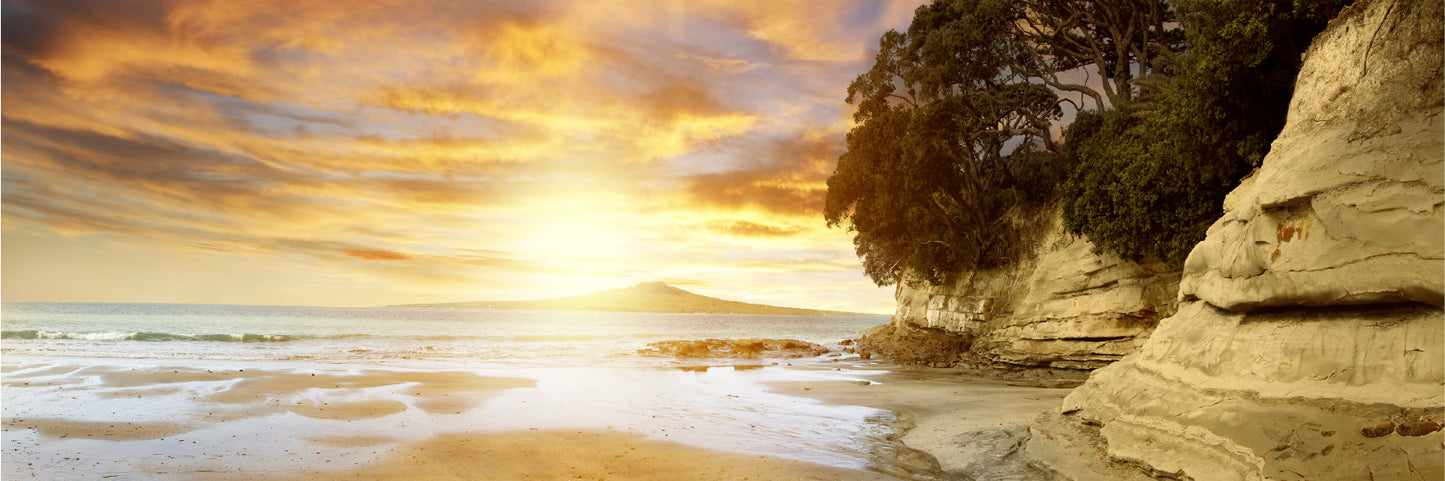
pixel 573 144
pixel 723 65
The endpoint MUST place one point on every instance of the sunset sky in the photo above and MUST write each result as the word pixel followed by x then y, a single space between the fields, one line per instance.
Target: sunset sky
pixel 348 153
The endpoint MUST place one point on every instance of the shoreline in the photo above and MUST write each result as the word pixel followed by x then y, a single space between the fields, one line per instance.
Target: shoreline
pixel 206 419
pixel 188 420
pixel 981 423
pixel 950 422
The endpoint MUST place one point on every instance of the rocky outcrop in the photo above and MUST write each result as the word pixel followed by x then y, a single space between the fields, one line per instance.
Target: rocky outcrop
pixel 1064 307
pixel 1310 341
pixel 912 345
pixel 733 349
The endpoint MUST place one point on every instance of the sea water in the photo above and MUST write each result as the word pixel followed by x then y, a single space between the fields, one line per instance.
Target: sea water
pixel 155 331
pixel 586 367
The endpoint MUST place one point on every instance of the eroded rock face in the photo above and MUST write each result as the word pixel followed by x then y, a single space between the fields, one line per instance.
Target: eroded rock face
pixel 1347 207
pixel 1310 342
pixel 1330 393
pixel 1066 307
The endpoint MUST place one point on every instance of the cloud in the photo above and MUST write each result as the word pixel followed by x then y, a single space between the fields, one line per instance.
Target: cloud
pixel 628 107
pixel 755 189
pixel 374 255
pixel 723 65
pixel 786 176
pixel 432 140
pixel 681 282
pixel 742 228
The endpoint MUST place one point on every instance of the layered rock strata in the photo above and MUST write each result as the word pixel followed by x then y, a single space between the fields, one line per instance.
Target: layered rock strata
pixel 1310 340
pixel 1064 307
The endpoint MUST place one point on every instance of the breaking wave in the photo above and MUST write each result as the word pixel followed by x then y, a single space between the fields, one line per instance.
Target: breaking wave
pixel 146 336
pixel 165 336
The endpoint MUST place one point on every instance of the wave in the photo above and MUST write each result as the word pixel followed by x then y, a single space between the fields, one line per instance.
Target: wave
pixel 164 337
pixel 145 336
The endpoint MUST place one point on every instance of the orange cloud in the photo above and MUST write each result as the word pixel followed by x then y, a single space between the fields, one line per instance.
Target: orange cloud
pixel 792 181
pixel 742 228
pixel 817 31
pixel 723 65
pixel 580 139
pixel 374 255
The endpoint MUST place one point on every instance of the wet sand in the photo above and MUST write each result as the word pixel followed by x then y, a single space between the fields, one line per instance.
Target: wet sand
pixel 572 455
pixel 138 420
pixel 236 394
pixel 171 422
pixel 968 425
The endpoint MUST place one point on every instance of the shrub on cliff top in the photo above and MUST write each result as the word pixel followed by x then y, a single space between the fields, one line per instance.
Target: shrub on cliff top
pixel 1151 174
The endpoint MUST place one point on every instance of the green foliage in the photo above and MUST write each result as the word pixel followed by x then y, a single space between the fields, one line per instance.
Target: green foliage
pixel 953 136
pixel 929 172
pixel 1151 175
pixel 1138 195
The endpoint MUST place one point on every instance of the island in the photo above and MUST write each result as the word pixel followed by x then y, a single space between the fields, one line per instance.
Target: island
pixel 643 297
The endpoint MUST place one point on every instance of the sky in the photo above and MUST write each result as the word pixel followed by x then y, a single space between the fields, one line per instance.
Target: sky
pixel 363 153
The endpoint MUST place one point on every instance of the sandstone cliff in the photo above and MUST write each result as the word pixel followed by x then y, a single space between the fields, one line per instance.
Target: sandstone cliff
pixel 1309 342
pixel 1063 307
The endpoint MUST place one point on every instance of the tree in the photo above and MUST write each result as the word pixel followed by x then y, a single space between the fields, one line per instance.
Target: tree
pixel 925 179
pixel 1124 41
pixel 954 125
pixel 1152 173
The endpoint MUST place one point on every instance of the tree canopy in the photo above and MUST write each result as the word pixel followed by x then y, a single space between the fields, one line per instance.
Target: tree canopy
pixel 953 125
pixel 1151 174
pixel 958 125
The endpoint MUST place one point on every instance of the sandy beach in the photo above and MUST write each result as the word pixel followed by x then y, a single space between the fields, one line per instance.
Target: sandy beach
pixel 569 455
pixel 136 421
pixel 952 421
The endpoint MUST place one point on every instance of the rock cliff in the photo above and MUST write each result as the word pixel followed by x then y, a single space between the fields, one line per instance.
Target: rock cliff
pixel 1063 307
pixel 1309 342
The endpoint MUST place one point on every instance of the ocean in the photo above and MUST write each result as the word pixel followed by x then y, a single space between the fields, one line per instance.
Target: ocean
pixel 226 332
pixel 105 390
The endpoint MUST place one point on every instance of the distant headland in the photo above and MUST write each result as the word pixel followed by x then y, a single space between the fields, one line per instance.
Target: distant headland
pixel 643 297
